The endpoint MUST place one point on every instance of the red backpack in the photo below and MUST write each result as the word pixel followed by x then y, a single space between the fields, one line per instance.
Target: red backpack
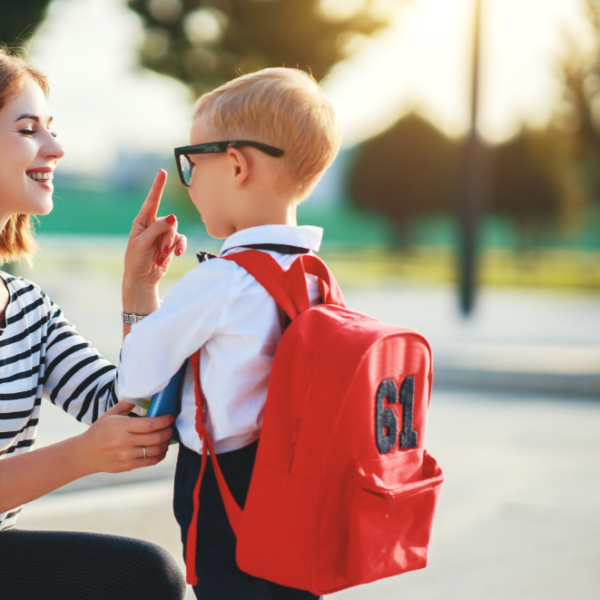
pixel 343 491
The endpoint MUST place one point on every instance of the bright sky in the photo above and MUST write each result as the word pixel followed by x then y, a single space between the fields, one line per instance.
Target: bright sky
pixel 104 104
pixel 424 61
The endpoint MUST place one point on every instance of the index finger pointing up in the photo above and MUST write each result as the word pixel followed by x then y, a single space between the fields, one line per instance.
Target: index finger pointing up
pixel 152 202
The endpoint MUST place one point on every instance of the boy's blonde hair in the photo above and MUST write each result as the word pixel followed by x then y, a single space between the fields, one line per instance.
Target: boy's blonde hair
pixel 281 107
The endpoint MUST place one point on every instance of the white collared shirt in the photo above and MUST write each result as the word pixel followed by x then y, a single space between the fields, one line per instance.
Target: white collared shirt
pixel 219 307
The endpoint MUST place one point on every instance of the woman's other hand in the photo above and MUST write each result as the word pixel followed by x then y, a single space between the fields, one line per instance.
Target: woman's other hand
pixel 116 442
pixel 113 444
pixel 152 243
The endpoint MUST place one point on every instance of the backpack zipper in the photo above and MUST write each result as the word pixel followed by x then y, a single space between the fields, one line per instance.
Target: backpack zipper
pixel 294 440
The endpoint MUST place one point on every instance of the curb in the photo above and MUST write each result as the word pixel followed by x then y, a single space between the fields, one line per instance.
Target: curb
pixel 556 384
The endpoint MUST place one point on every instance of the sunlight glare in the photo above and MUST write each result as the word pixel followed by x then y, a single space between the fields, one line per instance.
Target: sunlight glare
pixel 423 62
pixel 339 10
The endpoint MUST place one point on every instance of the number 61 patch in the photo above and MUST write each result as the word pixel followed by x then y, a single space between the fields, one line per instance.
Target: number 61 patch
pixel 386 422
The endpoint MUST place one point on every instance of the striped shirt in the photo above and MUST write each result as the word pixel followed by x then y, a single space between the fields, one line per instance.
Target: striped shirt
pixel 41 355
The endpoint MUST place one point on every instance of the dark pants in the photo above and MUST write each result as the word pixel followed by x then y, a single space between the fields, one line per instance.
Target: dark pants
pixel 69 565
pixel 218 574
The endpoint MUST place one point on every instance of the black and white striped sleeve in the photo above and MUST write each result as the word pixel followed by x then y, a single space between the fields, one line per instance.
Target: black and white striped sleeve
pixel 76 376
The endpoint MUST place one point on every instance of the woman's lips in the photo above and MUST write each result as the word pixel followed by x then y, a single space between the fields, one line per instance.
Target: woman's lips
pixel 43 177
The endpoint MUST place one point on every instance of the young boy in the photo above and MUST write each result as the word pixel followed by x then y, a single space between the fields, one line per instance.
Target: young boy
pixel 247 193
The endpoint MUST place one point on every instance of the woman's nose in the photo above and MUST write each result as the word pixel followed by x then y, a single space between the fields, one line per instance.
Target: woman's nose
pixel 53 149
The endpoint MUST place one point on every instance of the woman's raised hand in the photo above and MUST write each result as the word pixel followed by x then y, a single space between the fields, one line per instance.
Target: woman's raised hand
pixel 116 442
pixel 152 243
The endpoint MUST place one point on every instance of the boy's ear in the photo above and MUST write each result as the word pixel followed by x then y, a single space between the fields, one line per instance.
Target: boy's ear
pixel 240 165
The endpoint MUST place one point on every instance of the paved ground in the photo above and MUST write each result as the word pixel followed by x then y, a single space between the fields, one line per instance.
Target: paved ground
pixel 519 514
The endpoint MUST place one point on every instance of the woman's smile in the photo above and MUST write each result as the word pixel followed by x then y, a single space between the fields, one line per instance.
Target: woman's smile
pixel 42 176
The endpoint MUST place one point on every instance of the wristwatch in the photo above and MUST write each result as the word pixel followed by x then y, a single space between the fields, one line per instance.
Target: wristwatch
pixel 131 318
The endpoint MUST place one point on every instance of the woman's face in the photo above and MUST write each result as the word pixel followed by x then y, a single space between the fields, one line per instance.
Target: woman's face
pixel 29 154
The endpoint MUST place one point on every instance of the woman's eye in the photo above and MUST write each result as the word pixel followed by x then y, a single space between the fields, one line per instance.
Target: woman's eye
pixel 53 134
pixel 27 131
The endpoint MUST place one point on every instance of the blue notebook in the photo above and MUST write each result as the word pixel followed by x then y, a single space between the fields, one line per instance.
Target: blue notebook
pixel 168 402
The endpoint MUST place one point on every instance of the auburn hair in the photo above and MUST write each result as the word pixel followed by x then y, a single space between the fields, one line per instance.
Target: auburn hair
pixel 282 107
pixel 16 238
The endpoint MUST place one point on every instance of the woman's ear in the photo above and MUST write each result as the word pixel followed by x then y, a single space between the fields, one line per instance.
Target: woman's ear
pixel 240 166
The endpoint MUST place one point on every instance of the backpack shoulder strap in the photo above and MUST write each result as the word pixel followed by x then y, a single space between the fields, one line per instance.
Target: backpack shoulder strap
pixel 288 288
pixel 268 272
pixel 232 508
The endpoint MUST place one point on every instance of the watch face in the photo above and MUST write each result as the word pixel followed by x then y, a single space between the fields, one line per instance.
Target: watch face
pixel 131 318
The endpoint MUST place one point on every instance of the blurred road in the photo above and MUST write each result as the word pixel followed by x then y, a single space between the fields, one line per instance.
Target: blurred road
pixel 519 514
pixel 523 340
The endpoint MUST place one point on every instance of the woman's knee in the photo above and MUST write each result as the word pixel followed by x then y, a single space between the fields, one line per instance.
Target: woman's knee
pixel 73 565
pixel 152 569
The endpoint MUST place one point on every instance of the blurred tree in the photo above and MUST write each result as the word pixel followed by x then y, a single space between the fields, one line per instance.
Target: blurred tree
pixel 525 186
pixel 406 172
pixel 19 19
pixel 206 42
pixel 577 119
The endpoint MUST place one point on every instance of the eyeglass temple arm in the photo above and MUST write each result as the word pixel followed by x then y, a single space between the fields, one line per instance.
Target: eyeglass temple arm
pixel 270 150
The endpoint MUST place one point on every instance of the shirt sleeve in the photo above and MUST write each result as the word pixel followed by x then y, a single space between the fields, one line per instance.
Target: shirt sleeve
pixel 76 376
pixel 191 313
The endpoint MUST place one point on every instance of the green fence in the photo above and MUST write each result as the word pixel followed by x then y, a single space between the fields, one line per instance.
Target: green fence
pixel 84 211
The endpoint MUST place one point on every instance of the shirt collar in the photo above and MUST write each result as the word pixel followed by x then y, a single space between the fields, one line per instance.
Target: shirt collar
pixel 303 236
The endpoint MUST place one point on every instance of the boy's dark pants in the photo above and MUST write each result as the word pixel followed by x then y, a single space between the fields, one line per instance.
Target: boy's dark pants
pixel 218 574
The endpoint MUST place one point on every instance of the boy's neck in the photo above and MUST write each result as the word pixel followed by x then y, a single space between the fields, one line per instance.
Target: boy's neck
pixel 268 213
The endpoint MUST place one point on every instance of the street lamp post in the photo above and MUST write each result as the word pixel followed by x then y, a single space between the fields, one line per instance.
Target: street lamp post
pixel 474 183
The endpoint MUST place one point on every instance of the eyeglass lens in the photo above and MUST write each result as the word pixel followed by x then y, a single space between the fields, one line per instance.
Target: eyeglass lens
pixel 186 168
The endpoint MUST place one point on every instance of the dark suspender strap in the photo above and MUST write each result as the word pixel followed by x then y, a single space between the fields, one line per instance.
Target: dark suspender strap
pixel 281 248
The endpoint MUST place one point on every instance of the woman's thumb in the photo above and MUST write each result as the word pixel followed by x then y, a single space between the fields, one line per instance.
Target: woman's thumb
pixel 158 228
pixel 121 408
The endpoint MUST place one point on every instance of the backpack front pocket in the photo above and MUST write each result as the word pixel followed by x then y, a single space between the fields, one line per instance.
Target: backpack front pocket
pixel 390 516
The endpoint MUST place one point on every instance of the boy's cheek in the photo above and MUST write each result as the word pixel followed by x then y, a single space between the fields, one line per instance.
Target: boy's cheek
pixel 194 197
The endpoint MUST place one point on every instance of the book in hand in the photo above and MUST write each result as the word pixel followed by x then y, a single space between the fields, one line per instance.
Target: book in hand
pixel 168 401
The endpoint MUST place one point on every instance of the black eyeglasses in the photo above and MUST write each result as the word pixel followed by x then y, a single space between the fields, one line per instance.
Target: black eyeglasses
pixel 185 165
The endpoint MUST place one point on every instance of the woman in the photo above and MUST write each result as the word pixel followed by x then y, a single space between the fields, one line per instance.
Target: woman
pixel 42 355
